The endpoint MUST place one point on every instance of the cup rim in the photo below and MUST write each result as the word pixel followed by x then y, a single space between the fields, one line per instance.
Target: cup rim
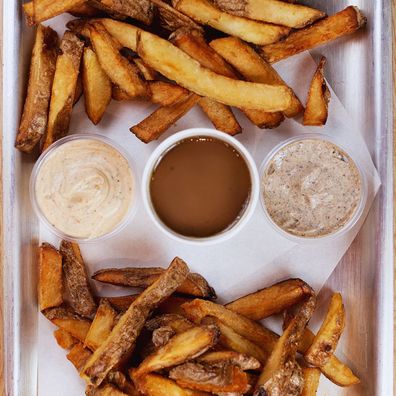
pixel 40 161
pixel 237 226
pixel 352 220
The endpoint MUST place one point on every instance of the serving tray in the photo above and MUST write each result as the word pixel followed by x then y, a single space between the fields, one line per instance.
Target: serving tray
pixel 360 76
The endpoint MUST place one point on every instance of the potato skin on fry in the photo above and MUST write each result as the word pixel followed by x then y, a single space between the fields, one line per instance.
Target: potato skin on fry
pixel 245 362
pixel 311 381
pixel 42 69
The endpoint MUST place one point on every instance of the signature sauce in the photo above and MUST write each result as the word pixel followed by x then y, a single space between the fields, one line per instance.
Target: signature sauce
pixel 200 187
pixel 311 188
pixel 84 188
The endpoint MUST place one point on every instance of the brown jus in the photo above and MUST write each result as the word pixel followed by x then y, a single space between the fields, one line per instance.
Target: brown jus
pixel 200 187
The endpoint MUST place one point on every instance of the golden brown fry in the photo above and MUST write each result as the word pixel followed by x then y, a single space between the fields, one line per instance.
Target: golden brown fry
pixel 78 356
pixel 339 373
pixel 50 285
pixel 282 375
pixel 64 339
pixel 148 72
pixel 67 320
pixel 252 67
pixel 28 10
pixel 326 340
pixel 155 385
pixel 273 11
pixel 176 65
pixel 219 378
pixel 46 9
pixel 197 309
pixel 97 86
pixel 311 381
pixel 180 348
pixel 121 341
pixel 204 12
pixel 316 110
pixel 79 90
pixel 35 111
pixel 271 300
pixel 195 284
pixel 232 340
pixel 101 326
pixel 124 33
pixel 245 362
pixel 117 68
pixel 158 122
pixel 63 88
pixel 76 280
pixel 85 10
pixel 344 22
pixel 107 390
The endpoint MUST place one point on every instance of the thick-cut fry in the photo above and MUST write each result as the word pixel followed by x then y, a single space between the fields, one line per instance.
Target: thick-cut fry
pixel 316 110
pixel 63 88
pixel 273 11
pixel 35 111
pixel 344 22
pixel 156 385
pixel 28 10
pixel 195 284
pixel 123 383
pixel 142 10
pixel 76 280
pixel 78 356
pixel 326 340
pixel 79 90
pixel 117 68
pixel 85 10
pixel 216 379
pixel 186 71
pixel 271 300
pixel 197 309
pixel 282 375
pixel 50 285
pixel 311 381
pixel 124 33
pixel 67 320
pixel 232 340
pixel 101 326
pixel 254 32
pixel 46 9
pixel 158 122
pixel 64 339
pixel 245 362
pixel 97 87
pixel 254 68
pixel 177 323
pixel 122 339
pixel 180 348
pixel 339 373
pixel 148 72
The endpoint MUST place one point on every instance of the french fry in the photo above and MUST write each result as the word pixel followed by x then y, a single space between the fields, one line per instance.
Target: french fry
pixel 42 69
pixel 195 284
pixel 50 285
pixel 232 340
pixel 197 309
pixel 101 326
pixel 273 11
pixel 339 372
pixel 177 323
pixel 97 86
pixel 176 65
pixel 118 379
pixel 202 11
pixel 122 303
pixel 311 381
pixel 64 339
pixel 326 340
pixel 68 321
pixel 28 10
pixel 63 88
pixel 148 72
pixel 78 356
pixel 180 348
pixel 124 33
pixel 117 68
pixel 122 339
pixel 173 305
pixel 271 300
pixel 282 375
pixel 156 385
pixel 47 9
pixel 218 378
pixel 85 10
pixel 107 390
pixel 344 22
pixel 79 90
pixel 252 67
pixel 316 110
pixel 76 280
pixel 245 362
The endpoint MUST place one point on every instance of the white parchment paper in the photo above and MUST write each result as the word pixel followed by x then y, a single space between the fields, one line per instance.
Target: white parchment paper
pixel 255 258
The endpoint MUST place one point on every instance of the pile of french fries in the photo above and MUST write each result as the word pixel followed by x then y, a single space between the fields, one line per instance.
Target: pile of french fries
pixel 173 339
pixel 172 56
